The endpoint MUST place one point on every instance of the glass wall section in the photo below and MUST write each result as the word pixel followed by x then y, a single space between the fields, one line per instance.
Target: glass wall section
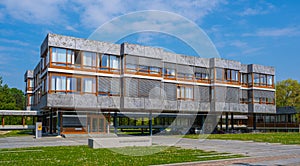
pixel 169 73
pixel 219 74
pixel 184 92
pixel 89 60
pixel 231 75
pixel 201 74
pixel 263 80
pixel 62 57
pixel 89 85
pixel 110 63
pixel 244 79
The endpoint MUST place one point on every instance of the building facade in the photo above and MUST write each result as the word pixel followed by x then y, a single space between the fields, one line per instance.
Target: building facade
pixel 83 86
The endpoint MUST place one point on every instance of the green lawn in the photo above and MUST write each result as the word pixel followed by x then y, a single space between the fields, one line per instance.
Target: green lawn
pixel 82 155
pixel 283 138
pixel 16 133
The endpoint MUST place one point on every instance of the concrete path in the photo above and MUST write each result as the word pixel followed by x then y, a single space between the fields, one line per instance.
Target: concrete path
pixel 259 153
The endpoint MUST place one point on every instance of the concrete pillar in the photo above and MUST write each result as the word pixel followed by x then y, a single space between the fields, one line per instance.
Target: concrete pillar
pixel 58 122
pixel 3 121
pixel 142 125
pixel 150 123
pixel 254 121
pixel 232 121
pixel 23 120
pixel 202 121
pixel 115 123
pixel 51 122
pixel 226 121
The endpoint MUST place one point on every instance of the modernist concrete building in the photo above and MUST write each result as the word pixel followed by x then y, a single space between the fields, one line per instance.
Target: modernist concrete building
pixel 82 86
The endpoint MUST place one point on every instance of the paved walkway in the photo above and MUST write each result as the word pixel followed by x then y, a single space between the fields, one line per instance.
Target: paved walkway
pixel 259 153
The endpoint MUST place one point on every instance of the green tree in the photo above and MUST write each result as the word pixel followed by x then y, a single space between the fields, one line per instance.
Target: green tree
pixel 288 93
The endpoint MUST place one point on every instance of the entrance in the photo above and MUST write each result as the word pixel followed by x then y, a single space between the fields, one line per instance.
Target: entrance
pixel 96 124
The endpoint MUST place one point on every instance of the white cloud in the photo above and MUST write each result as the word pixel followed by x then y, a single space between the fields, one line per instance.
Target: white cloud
pixel 35 11
pixel 17 42
pixel 260 9
pixel 275 32
pixel 71 28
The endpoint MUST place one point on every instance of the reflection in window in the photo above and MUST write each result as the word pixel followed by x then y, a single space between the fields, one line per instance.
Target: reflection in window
pixel 219 74
pixel 59 56
pixel 154 70
pixel 185 92
pixel 169 73
pixel 114 62
pixel 143 69
pixel 89 59
pixel 89 85
pixel 131 68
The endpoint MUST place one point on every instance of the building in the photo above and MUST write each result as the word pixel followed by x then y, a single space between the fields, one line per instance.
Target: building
pixel 82 86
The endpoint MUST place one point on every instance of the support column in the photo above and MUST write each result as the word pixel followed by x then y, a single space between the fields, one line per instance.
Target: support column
pixel 142 125
pixel 150 123
pixel 108 121
pixel 226 121
pixel 51 122
pixel 115 123
pixel 232 121
pixel 58 122
pixel 23 120
pixel 254 121
pixel 3 121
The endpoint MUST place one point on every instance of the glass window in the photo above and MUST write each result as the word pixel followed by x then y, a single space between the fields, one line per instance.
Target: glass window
pixel 31 83
pixel 58 83
pixel 219 74
pixel 270 80
pixel 89 85
pixel 263 79
pixel 184 92
pixel 170 73
pixel 58 55
pixel 71 84
pixel 250 78
pixel 154 70
pixel 256 78
pixel 131 67
pixel 234 75
pixel 143 69
pixel 89 59
pixel 114 62
pixel 188 92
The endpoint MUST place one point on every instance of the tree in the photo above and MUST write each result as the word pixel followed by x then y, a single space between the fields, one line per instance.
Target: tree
pixel 288 93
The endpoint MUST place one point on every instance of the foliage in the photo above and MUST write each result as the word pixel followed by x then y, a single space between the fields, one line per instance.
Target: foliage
pixel 283 138
pixel 16 133
pixel 11 98
pixel 82 155
pixel 288 93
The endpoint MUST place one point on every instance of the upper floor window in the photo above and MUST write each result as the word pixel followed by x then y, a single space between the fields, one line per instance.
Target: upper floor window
pixel 219 74
pixel 263 79
pixel 62 57
pixel 201 74
pixel 231 75
pixel 184 92
pixel 244 79
pixel 89 59
pixel 185 76
pixel 169 73
pixel 109 62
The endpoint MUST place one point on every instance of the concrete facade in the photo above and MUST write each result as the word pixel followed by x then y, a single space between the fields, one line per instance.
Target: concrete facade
pixel 144 79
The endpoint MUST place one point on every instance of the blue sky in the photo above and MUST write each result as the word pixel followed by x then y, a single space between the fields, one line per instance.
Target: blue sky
pixel 262 32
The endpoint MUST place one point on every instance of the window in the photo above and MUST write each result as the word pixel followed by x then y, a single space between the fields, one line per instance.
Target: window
pixel 89 59
pixel 89 85
pixel 65 84
pixel 184 92
pixel 169 73
pixel 231 75
pixel 143 69
pixel 219 74
pixel 109 62
pixel 59 56
pixel 185 76
pixel 244 79
pixel 131 68
pixel 154 70
pixel 263 80
pixel 270 80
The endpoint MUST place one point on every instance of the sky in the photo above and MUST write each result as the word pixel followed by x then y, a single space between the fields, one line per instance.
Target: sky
pixel 259 32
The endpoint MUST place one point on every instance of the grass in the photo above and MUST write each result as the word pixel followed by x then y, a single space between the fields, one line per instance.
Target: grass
pixel 82 155
pixel 283 138
pixel 15 133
